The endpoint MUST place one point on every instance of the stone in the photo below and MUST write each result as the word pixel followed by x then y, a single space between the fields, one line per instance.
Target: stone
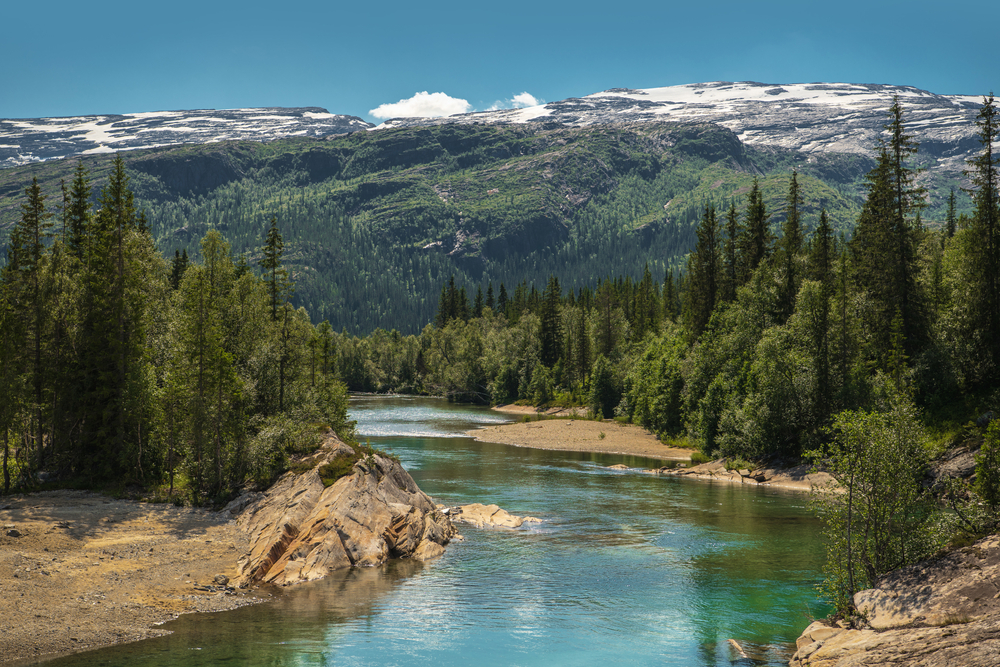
pixel 618 466
pixel 490 516
pixel 300 530
pixel 13 532
pixel 220 580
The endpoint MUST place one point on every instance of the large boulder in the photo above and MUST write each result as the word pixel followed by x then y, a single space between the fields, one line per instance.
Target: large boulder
pixel 301 530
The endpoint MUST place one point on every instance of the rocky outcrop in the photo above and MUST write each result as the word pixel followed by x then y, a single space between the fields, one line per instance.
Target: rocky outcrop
pixel 487 516
pixel 936 613
pixel 301 530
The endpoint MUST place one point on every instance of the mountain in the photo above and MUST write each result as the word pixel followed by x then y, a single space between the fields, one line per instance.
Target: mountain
pixel 23 141
pixel 814 118
pixel 376 221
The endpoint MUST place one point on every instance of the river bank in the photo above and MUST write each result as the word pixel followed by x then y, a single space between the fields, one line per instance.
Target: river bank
pixel 604 437
pixel 79 570
pixel 582 435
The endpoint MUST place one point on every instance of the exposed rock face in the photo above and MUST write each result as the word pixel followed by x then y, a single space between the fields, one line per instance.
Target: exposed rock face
pixel 488 516
pixel 937 613
pixel 300 531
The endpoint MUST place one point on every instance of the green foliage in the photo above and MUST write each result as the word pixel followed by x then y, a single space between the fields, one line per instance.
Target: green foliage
pixel 341 466
pixel 988 468
pixel 882 519
pixel 604 394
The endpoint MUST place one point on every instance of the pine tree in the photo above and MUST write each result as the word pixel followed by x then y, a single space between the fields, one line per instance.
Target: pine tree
pixel 503 301
pixel 78 213
pixel 730 255
pixel 551 332
pixel 704 269
pixel 276 276
pixel 885 245
pixel 950 220
pixel 178 267
pixel 490 299
pixel 985 249
pixel 28 252
pixel 790 247
pixel 821 265
pixel 755 237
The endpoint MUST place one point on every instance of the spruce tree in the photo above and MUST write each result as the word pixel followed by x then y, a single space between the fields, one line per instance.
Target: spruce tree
pixel 477 306
pixel 790 247
pixel 985 247
pixel 490 299
pixel 276 276
pixel 704 269
pixel 503 300
pixel 28 243
pixel 78 212
pixel 730 255
pixel 551 331
pixel 755 237
pixel 950 220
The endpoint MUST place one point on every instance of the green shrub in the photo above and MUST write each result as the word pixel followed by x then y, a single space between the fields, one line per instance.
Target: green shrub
pixel 341 466
pixel 700 457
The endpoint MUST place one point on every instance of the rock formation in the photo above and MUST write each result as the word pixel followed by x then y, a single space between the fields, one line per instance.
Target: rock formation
pixel 301 530
pixel 936 613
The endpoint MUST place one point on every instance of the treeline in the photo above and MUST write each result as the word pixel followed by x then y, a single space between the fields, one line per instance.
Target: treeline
pixel 118 367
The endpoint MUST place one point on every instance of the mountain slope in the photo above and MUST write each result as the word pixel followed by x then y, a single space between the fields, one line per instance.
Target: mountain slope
pixel 376 221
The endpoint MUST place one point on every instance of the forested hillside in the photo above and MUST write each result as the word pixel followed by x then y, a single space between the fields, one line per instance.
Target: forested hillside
pixel 374 222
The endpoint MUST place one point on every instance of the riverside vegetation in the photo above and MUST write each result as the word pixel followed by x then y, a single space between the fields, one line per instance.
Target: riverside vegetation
pixel 187 379
pixel 868 353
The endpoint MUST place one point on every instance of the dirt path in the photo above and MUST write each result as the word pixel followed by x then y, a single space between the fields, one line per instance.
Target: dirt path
pixel 79 570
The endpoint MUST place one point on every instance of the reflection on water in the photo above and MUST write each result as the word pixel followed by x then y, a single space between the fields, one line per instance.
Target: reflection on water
pixel 626 568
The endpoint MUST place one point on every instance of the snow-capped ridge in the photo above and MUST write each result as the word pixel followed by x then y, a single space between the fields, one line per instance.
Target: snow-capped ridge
pixel 34 139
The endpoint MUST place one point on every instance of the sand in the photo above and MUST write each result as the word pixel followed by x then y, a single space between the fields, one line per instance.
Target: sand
pixel 581 435
pixel 79 570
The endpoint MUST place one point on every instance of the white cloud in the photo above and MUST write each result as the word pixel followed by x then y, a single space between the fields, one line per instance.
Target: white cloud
pixel 525 99
pixel 519 101
pixel 423 105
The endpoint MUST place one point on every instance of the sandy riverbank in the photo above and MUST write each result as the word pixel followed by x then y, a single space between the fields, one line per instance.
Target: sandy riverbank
pixel 630 440
pixel 580 435
pixel 79 570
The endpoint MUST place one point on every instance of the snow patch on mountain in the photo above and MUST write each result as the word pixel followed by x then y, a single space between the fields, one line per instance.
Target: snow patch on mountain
pixel 811 117
pixel 32 140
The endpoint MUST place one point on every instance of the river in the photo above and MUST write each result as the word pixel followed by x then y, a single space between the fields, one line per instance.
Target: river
pixel 625 568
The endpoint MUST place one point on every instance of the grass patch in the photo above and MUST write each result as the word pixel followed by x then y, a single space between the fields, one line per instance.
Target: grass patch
pixel 954 619
pixel 341 466
pixel 700 457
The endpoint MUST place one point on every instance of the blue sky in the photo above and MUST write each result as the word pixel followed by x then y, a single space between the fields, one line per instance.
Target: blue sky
pixel 61 59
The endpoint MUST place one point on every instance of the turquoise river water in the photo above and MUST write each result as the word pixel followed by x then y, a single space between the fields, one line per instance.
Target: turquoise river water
pixel 626 568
